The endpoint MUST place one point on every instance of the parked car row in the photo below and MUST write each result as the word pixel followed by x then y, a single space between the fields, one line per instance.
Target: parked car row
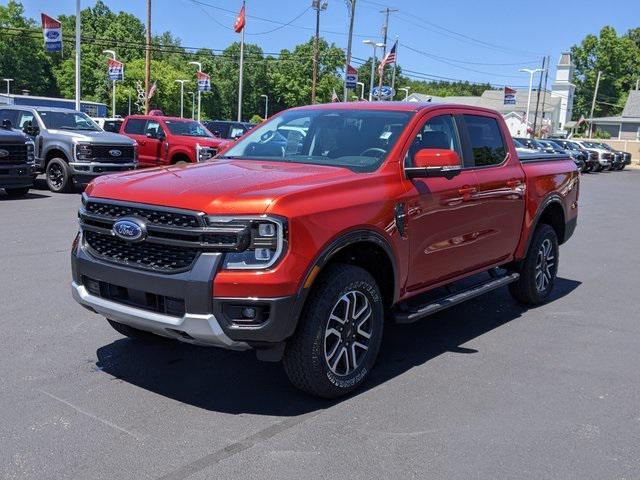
pixel 71 148
pixel 589 156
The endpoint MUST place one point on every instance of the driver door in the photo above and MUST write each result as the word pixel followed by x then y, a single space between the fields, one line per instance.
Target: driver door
pixel 443 225
pixel 153 145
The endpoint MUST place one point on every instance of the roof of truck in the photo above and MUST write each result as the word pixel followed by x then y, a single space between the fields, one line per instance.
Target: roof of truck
pixel 391 106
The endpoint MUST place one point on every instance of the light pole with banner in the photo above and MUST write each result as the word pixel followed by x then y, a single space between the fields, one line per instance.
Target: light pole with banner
pixel 181 82
pixel 531 72
pixel 266 106
pixel 115 73
pixel 199 65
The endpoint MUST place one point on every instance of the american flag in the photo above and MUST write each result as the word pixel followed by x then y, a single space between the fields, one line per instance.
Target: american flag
pixel 389 58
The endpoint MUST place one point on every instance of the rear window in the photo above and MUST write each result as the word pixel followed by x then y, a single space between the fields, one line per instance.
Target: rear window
pixel 112 125
pixel 135 126
pixel 486 140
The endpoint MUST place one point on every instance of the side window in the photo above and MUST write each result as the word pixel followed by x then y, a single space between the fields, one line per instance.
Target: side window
pixel 26 117
pixel 439 132
pixel 486 140
pixel 135 126
pixel 153 128
pixel 11 115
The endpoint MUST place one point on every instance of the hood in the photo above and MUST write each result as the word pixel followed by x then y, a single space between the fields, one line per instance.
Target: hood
pixel 204 141
pixel 217 187
pixel 93 137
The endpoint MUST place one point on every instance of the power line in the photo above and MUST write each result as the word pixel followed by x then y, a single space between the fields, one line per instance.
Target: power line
pixel 438 57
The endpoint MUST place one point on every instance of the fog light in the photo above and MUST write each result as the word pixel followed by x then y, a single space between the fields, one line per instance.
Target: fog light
pixel 249 313
pixel 263 254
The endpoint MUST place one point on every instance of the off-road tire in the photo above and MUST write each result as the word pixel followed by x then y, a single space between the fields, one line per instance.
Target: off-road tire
pixel 58 176
pixel 304 359
pixel 526 290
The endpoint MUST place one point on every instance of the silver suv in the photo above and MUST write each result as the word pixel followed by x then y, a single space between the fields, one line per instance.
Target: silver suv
pixel 71 149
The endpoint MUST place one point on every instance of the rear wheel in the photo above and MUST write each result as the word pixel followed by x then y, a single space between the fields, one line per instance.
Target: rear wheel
pixel 339 335
pixel 539 270
pixel 17 192
pixel 58 176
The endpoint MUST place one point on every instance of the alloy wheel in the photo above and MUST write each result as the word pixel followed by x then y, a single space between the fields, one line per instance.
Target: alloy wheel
pixel 348 333
pixel 56 176
pixel 545 263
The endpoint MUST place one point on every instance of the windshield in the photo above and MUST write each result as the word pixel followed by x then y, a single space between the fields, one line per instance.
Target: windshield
pixel 67 121
pixel 358 140
pixel 187 129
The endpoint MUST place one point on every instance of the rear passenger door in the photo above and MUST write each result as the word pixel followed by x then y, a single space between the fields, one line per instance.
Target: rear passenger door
pixel 500 185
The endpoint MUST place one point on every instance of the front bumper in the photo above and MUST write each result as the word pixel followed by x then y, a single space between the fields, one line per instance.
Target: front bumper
pixel 132 297
pixel 16 176
pixel 84 172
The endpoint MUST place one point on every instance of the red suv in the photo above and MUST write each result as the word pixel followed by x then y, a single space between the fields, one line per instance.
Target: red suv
pixel 170 140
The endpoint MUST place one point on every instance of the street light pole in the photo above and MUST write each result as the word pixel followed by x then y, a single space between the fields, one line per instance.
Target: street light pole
pixel 318 6
pixel 531 72
pixel 193 104
pixel 406 92
pixel 373 64
pixel 8 80
pixel 77 66
pixel 266 106
pixel 199 65
pixel 361 90
pixel 593 104
pixel 113 101
pixel 181 82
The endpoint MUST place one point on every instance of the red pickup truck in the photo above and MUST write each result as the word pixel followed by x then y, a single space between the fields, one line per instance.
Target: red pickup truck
pixel 170 140
pixel 301 238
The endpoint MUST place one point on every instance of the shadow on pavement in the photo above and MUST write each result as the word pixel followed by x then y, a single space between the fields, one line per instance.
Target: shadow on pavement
pixel 29 196
pixel 236 382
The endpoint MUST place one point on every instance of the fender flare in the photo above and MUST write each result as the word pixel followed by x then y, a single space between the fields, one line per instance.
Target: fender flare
pixel 56 146
pixel 551 198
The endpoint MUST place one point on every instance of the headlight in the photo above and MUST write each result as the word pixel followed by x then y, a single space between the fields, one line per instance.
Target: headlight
pixel 83 151
pixel 31 152
pixel 265 243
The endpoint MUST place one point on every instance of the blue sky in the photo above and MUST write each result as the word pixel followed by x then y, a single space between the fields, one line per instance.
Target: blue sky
pixel 459 39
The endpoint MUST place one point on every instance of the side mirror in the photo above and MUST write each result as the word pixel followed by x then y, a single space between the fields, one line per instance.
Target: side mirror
pixel 30 129
pixel 6 124
pixel 161 136
pixel 434 162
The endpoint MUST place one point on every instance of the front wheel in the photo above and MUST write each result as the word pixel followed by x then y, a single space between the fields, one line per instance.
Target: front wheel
pixel 17 192
pixel 58 176
pixel 339 335
pixel 539 270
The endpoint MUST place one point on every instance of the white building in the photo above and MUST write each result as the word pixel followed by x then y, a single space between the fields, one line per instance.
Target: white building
pixel 564 89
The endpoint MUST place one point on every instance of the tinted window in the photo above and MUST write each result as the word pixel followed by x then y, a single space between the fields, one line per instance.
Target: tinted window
pixel 486 140
pixel 439 132
pixel 55 119
pixel 112 125
pixel 10 115
pixel 135 126
pixel 24 118
pixel 186 128
pixel 153 128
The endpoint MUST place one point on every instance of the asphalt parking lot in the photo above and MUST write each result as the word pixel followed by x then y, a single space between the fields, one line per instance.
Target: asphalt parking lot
pixel 485 390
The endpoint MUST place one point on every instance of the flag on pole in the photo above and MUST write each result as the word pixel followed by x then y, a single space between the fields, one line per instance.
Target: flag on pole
pixel 115 70
pixel 204 82
pixel 152 90
pixel 240 21
pixel 334 96
pixel 52 32
pixel 509 96
pixel 388 59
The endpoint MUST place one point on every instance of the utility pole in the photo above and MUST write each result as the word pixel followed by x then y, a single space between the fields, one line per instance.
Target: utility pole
pixel 385 29
pixel 77 55
pixel 535 117
pixel 544 90
pixel 531 72
pixel 593 104
pixel 318 6
pixel 147 61
pixel 349 43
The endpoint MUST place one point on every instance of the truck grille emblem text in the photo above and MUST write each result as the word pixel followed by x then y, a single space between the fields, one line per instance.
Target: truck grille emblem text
pixel 131 230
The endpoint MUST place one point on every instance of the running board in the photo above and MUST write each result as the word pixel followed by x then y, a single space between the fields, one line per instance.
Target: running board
pixel 454 299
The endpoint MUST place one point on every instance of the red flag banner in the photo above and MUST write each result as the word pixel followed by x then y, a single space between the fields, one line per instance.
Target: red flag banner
pixel 52 31
pixel 240 21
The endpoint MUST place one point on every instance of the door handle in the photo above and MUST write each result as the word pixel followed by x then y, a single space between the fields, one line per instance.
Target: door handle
pixel 513 183
pixel 467 192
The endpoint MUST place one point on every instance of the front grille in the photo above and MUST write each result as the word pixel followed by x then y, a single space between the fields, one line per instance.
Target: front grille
pixel 145 255
pixel 17 153
pixel 136 298
pixel 155 217
pixel 100 153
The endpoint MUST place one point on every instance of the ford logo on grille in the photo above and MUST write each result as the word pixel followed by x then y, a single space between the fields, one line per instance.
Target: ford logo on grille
pixel 130 229
pixel 3 153
pixel 115 153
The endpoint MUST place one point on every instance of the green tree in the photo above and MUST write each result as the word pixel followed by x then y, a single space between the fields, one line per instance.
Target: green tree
pixel 618 57
pixel 22 55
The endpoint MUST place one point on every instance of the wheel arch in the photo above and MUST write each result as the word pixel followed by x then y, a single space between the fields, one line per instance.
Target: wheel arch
pixel 55 151
pixel 550 212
